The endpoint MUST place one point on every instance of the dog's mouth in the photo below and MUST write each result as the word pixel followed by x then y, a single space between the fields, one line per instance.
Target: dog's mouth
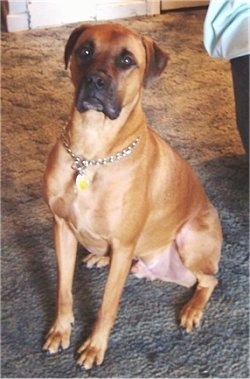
pixel 83 105
pixel 92 103
pixel 101 99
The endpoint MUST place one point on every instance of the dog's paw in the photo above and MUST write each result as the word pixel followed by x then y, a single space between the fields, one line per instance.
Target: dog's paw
pixel 58 338
pixel 96 260
pixel 141 270
pixel 91 353
pixel 190 316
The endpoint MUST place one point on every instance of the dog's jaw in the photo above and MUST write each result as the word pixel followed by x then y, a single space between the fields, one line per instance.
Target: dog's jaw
pixel 83 105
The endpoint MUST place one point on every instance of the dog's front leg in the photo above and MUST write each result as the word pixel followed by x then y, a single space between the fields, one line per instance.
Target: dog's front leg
pixel 93 350
pixel 66 245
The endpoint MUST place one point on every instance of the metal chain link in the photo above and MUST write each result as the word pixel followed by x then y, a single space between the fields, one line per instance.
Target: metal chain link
pixel 80 163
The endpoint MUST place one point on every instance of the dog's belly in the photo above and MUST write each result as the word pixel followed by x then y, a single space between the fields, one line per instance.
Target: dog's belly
pixel 167 267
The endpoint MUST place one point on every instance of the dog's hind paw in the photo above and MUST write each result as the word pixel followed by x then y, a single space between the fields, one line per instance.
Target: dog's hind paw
pixel 190 317
pixel 96 260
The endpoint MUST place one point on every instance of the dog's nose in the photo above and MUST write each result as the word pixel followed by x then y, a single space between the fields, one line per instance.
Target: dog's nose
pixel 97 81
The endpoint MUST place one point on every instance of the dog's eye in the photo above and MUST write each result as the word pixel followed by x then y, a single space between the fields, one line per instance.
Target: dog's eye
pixel 125 60
pixel 85 52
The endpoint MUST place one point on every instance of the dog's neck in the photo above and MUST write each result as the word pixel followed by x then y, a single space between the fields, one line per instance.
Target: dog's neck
pixel 93 135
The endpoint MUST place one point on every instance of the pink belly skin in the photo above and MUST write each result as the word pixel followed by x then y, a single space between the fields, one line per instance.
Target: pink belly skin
pixel 167 267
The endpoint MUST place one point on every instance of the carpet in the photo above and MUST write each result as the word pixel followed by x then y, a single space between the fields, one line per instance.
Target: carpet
pixel 192 107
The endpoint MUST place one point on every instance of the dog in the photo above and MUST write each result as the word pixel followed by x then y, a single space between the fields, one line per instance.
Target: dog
pixel 117 188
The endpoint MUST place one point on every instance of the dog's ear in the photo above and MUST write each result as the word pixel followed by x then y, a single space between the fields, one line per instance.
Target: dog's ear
pixel 156 60
pixel 71 42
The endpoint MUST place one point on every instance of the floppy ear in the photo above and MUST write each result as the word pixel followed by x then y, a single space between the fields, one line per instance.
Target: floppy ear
pixel 71 42
pixel 156 60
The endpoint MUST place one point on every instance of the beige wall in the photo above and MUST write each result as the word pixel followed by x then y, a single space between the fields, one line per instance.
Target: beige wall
pixel 175 4
pixel 29 14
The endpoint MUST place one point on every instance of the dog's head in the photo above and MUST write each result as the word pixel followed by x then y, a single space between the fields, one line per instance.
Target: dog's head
pixel 109 64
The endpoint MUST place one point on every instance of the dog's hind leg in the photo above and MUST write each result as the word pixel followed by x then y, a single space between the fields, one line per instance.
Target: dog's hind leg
pixel 66 245
pixel 191 313
pixel 199 244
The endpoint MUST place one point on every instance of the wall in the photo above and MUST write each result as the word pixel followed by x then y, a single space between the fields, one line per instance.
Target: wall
pixel 29 14
pixel 18 17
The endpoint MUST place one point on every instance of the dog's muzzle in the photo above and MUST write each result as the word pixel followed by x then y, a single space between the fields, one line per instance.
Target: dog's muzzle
pixel 97 91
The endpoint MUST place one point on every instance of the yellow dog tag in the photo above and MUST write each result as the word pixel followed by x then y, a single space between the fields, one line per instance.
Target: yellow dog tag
pixel 82 182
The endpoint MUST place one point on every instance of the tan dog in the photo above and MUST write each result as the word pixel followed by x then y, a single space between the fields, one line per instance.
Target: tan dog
pixel 116 187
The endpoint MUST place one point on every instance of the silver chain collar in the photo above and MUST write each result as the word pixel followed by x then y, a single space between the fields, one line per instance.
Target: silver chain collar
pixel 80 163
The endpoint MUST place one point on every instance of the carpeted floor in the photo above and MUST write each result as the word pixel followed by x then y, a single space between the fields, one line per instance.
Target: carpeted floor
pixel 191 106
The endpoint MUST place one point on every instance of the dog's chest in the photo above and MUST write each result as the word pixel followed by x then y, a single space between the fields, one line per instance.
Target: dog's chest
pixel 94 210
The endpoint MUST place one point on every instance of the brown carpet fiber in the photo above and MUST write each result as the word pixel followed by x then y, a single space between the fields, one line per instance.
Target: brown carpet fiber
pixel 192 106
